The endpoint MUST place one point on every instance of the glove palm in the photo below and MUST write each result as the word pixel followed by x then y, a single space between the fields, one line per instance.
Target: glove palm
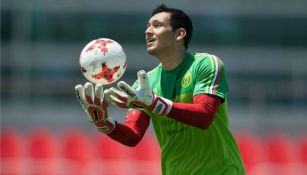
pixel 141 97
pixel 95 105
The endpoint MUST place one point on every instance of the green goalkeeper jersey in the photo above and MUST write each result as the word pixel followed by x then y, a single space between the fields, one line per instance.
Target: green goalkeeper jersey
pixel 187 150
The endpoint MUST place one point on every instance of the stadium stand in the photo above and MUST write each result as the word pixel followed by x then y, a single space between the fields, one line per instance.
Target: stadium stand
pixel 43 152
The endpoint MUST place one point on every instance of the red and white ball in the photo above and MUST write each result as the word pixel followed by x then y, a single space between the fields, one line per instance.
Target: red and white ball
pixel 103 61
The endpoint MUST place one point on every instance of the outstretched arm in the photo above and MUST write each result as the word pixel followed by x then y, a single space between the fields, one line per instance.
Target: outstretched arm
pixel 95 104
pixel 132 131
pixel 199 114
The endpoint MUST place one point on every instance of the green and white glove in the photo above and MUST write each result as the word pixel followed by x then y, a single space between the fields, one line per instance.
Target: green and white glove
pixel 127 97
pixel 95 105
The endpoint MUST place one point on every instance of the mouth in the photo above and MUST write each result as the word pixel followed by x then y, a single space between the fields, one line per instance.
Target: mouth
pixel 150 40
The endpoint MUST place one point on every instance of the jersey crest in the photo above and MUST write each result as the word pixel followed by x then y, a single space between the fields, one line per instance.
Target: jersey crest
pixel 186 80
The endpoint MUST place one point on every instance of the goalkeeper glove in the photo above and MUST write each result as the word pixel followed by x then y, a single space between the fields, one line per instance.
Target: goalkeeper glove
pixel 127 97
pixel 95 105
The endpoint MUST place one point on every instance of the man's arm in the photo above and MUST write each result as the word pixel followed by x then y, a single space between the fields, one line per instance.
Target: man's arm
pixel 94 103
pixel 132 131
pixel 199 114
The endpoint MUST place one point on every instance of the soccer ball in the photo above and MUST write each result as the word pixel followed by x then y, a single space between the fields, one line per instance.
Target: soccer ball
pixel 103 61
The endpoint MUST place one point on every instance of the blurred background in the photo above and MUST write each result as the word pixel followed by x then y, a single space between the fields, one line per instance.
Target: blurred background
pixel 44 130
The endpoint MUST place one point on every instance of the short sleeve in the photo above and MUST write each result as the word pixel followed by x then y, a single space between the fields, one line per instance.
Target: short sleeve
pixel 210 77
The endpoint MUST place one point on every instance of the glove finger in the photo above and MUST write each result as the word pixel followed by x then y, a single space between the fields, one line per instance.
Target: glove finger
pixel 119 103
pixel 120 95
pixel 142 79
pixel 99 95
pixel 123 86
pixel 79 90
pixel 107 94
pixel 89 92
pixel 116 97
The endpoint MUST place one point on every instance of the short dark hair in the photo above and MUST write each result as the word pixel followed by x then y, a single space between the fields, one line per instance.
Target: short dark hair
pixel 178 20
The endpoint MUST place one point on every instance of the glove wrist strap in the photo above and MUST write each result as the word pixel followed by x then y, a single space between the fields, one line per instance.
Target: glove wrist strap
pixel 106 126
pixel 161 106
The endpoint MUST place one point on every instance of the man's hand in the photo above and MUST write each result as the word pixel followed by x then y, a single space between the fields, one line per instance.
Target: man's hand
pixel 95 106
pixel 143 96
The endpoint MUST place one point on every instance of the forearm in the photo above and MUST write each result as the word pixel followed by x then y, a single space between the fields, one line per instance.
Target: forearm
pixel 124 135
pixel 199 114
pixel 132 131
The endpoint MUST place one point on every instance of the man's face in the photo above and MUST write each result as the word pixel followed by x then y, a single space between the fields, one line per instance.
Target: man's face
pixel 160 36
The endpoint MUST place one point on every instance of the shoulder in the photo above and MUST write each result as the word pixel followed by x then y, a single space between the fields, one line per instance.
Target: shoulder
pixel 207 61
pixel 206 58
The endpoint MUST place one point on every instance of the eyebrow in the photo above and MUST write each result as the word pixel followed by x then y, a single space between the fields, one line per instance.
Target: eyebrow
pixel 154 21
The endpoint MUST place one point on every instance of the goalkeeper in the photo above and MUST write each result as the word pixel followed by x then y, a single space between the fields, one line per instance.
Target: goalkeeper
pixel 185 97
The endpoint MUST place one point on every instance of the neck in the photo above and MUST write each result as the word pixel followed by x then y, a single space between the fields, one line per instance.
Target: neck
pixel 172 59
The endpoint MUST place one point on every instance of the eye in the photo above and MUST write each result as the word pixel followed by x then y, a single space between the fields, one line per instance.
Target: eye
pixel 158 25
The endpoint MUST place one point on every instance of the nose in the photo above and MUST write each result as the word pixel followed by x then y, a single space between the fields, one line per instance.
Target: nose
pixel 148 30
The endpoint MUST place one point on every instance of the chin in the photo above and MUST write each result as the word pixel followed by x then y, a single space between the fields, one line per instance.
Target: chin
pixel 151 51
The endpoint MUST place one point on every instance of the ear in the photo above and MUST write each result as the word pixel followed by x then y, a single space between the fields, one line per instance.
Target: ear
pixel 181 33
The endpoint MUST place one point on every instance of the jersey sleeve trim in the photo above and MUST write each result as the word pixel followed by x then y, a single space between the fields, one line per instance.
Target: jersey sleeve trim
pixel 215 74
